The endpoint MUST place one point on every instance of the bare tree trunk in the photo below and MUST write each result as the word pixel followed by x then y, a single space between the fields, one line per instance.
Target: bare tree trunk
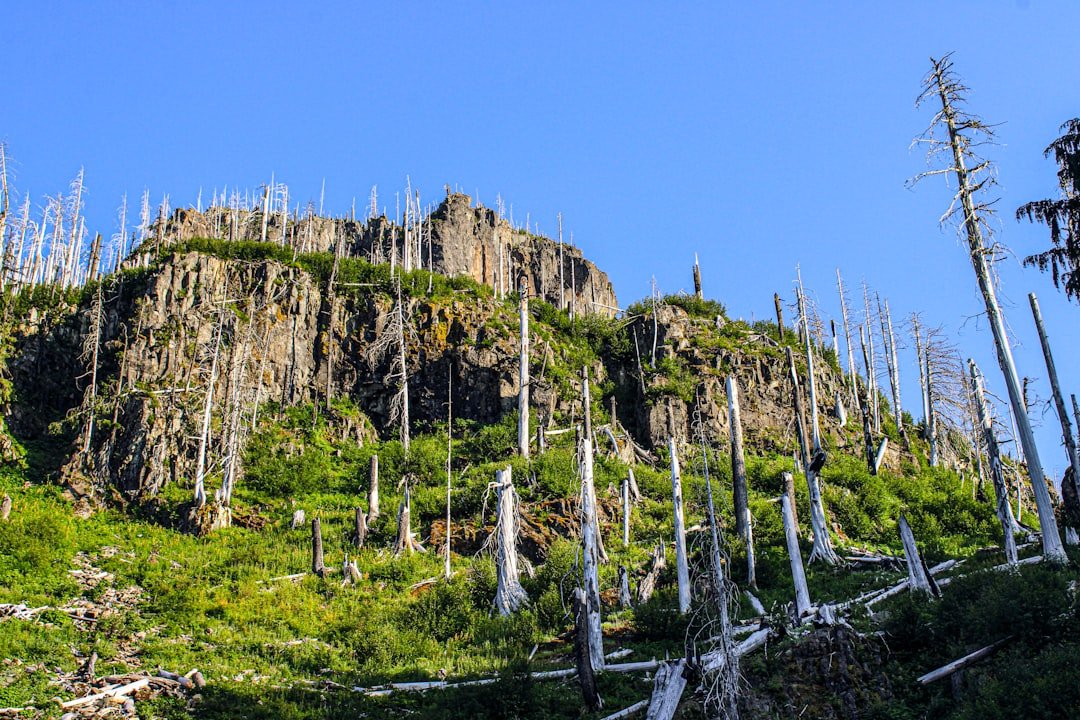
pixel 894 370
pixel 668 686
pixel 811 385
pixel 317 565
pixel 682 568
pixel 624 588
pixel 625 496
pixel 802 594
pixel 208 404
pixel 789 491
pixel 359 528
pixel 823 549
pixel 1059 399
pixel 918 576
pixel 509 594
pixel 738 460
pixel 1001 493
pixel 373 490
pixel 931 418
pixel 97 319
pixel 779 316
pixel 585 645
pixel 449 450
pixel 405 541
pixel 697 278
pixel 523 360
pixel 945 85
pixel 590 535
pixel 648 583
pixel 871 370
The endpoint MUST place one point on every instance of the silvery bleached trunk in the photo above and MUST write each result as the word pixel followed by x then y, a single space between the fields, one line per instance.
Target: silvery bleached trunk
pixel 590 536
pixel 1009 527
pixel 1059 399
pixel 373 491
pixel 802 593
pixel 523 379
pixel 946 89
pixel 656 566
pixel 894 371
pixel 738 460
pixel 682 568
pixel 931 417
pixel 852 372
pixel 586 645
pixel 625 496
pixel 509 594
pixel 318 567
pixel 918 576
pixel 624 587
pixel 823 549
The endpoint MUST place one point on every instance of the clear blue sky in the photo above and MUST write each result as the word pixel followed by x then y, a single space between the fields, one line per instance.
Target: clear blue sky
pixel 757 134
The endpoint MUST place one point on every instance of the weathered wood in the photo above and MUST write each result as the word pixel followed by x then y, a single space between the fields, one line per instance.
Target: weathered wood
pixel 590 536
pixel 879 456
pixel 802 593
pixel 1001 493
pixel 919 577
pixel 115 691
pixel 789 490
pixel 373 490
pixel 509 594
pixel 1059 399
pixel 584 647
pixel 359 528
pixel 839 410
pixel 628 711
pixel 697 278
pixel 318 567
pixel 779 316
pixel 738 459
pixel 625 497
pixel 961 663
pixel 682 567
pixel 5 508
pixel 405 541
pixel 624 588
pixel 648 583
pixel 523 368
pixel 668 686
pixel 941 82
pixel 852 372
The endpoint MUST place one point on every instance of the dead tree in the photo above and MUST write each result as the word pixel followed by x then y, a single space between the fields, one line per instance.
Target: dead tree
pixel 624 588
pixel 953 133
pixel 208 405
pixel 738 460
pixel 892 364
pixel 871 363
pixel 449 451
pixel 318 567
pixel 1001 493
pixel 373 491
pixel 682 568
pixel 5 508
pixel 523 362
pixel 697 278
pixel 391 342
pixel 509 594
pixel 791 536
pixel 405 540
pixel 823 549
pixel 91 347
pixel 590 534
pixel 657 563
pixel 1059 399
pixel 779 316
pixel 789 491
pixel 919 578
pixel 359 528
pixel 585 647
pixel 852 371
pixel 625 497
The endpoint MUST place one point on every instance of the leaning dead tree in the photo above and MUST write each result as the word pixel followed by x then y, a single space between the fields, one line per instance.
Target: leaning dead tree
pixel 823 549
pixel 1059 399
pixel 738 478
pixel 590 536
pixel 919 577
pixel 509 594
pixel 952 135
pixel 798 574
pixel 1009 527
pixel 405 540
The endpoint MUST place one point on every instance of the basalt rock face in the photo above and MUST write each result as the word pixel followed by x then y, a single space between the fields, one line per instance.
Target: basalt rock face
pixel 458 238
pixel 270 327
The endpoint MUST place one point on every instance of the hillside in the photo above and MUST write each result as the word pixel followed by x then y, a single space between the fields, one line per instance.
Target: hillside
pixel 266 374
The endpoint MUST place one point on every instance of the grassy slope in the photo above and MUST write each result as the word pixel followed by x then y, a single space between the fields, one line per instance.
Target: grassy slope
pixel 267 647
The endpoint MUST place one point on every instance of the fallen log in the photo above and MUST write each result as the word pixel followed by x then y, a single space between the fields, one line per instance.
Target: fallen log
pixel 628 711
pixel 668 688
pixel 114 691
pixel 961 663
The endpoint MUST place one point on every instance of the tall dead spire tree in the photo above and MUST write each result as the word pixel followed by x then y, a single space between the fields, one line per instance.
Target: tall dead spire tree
pixel 951 140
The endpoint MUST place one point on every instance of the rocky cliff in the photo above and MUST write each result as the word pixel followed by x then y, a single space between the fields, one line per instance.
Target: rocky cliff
pixel 456 239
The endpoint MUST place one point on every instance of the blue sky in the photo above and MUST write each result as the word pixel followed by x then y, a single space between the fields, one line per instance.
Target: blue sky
pixel 759 135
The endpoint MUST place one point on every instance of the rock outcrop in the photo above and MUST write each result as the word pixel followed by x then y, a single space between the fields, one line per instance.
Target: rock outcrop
pixel 456 239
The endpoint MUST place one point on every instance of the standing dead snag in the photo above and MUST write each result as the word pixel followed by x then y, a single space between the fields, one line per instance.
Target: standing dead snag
pixel 318 567
pixel 584 649
pixel 391 342
pixel 668 686
pixel 657 564
pixel 823 549
pixel 406 541
pixel 1001 492
pixel 449 478
pixel 523 360
pixel 359 528
pixel 624 588
pixel 590 536
pixel 802 594
pixel 963 131
pixel 509 594
pixel 373 491
pixel 1059 399
pixel 738 460
pixel 682 568
pixel 919 577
